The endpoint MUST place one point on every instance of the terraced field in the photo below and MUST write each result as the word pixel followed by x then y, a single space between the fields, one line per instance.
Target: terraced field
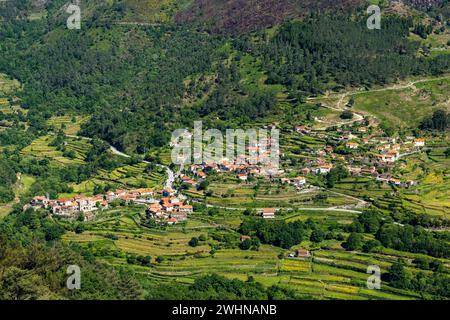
pixel 40 148
pixel 134 176
pixel 70 124
pixel 233 194
pixel 331 272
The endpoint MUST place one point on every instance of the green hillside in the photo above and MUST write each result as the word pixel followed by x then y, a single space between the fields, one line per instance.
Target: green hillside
pixel 364 120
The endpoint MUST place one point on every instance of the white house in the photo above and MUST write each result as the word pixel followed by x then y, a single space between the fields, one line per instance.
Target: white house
pixel 352 145
pixel 268 213
pixel 419 142
pixel 323 169
pixel 299 181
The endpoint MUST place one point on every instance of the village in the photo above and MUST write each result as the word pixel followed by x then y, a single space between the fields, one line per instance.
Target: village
pixel 360 150
pixel 162 206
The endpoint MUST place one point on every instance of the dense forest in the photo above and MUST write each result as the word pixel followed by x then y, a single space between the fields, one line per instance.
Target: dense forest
pixel 133 80
pixel 334 52
pixel 439 121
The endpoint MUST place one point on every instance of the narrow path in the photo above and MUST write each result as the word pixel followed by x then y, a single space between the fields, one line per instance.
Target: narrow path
pixel 170 174
pixel 142 24
pixel 333 209
pixel 358 117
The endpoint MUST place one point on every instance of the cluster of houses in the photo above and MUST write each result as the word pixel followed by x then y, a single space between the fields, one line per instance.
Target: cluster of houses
pixel 169 210
pixel 72 207
pixel 243 169
pixel 381 152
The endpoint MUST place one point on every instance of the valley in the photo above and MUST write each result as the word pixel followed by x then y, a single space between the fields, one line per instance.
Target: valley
pixel 88 178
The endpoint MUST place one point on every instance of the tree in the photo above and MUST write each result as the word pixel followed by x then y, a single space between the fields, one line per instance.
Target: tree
pixel 439 121
pixel 447 153
pixel 194 242
pixel 52 231
pixel 370 220
pixel 397 275
pixel 351 102
pixel 335 175
pixel 246 244
pixel 6 194
pixel 372 246
pixel 203 185
pixel 317 236
pixel 346 115
pixel 354 242
pixel 79 229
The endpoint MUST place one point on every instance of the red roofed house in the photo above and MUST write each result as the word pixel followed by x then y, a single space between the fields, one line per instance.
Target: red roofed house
pixel 172 221
pixel 268 213
pixel 302 253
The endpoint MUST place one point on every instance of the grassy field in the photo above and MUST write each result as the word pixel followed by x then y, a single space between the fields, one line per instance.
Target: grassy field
pixel 20 188
pixel 229 192
pixel 7 85
pixel 150 11
pixel 405 107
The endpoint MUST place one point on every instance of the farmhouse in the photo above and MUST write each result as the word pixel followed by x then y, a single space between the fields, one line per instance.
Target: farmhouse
pixel 362 129
pixel 200 175
pixel 243 176
pixel 65 210
pixel 388 158
pixel 302 253
pixel 86 204
pixel 306 171
pixel 143 192
pixel 172 221
pixel 186 208
pixel 167 192
pixel 395 182
pixel 268 213
pixel 299 181
pixel 352 145
pixel 323 169
pixel 39 202
pixel 419 142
